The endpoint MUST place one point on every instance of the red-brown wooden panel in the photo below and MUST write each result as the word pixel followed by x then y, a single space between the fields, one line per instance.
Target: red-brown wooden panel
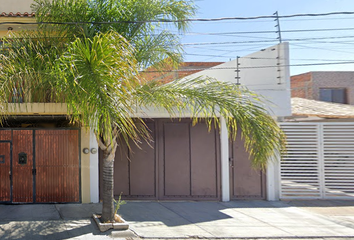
pixel 22 178
pixel 246 182
pixel 5 135
pixel 57 164
pixel 5 163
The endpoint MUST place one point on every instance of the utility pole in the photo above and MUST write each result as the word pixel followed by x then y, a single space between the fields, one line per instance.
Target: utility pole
pixel 278 26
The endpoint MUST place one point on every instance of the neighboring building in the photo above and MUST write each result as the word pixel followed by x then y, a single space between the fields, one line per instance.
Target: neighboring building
pixel 335 86
pixel 15 11
pixel 318 163
pixel 41 155
pixel 49 161
pixel 320 110
pixel 319 160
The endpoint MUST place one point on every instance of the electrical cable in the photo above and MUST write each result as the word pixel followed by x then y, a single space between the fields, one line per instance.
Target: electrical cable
pixel 192 19
pixel 275 40
pixel 252 67
pixel 261 32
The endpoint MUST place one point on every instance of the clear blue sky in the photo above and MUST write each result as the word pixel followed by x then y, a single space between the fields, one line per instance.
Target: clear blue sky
pixel 339 48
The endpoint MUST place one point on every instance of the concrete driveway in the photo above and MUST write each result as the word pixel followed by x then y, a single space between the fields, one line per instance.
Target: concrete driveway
pixel 241 219
pixel 151 220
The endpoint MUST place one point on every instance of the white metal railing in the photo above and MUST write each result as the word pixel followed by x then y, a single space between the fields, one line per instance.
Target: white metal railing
pixel 319 162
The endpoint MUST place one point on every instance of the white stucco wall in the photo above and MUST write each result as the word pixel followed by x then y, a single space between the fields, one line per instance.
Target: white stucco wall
pixel 266 72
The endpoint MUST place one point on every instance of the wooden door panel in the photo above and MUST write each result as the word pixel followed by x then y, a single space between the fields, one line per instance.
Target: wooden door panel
pixel 57 166
pixel 5 168
pixel 5 135
pixel 22 177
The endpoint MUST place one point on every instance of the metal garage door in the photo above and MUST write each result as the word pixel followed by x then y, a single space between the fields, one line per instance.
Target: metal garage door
pixel 181 163
pixel 39 166
pixel 246 182
pixel 319 162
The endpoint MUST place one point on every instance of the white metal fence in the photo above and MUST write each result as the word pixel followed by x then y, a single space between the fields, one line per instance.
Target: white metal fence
pixel 319 161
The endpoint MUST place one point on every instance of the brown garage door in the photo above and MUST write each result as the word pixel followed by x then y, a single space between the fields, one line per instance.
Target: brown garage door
pixel 39 166
pixel 181 163
pixel 245 181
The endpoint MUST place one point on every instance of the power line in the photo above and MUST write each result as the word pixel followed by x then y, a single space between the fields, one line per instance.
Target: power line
pixel 191 19
pixel 319 48
pixel 274 58
pixel 288 40
pixel 251 67
pixel 261 32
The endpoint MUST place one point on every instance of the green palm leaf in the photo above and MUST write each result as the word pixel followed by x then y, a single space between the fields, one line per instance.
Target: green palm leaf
pixel 209 98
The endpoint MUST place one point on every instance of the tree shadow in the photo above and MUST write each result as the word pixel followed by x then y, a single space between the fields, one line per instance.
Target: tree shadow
pixel 49 221
pixel 54 229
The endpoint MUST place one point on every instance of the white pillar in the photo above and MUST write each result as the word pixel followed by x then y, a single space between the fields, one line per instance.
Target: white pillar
pixel 273 180
pixel 225 172
pixel 94 168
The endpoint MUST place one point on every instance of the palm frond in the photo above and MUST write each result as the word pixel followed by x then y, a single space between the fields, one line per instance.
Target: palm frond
pixel 153 50
pixel 97 76
pixel 209 98
pixel 26 65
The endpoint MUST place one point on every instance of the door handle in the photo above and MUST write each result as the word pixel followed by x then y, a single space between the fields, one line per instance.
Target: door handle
pixel 231 162
pixel 10 174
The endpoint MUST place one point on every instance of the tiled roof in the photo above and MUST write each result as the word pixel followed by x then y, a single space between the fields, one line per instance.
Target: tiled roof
pixel 170 73
pixel 18 14
pixel 306 107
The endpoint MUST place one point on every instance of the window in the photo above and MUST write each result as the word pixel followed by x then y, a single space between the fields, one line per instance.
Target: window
pixel 335 95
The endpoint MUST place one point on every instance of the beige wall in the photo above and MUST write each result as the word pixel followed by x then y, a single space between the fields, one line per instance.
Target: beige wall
pixel 37 109
pixel 16 6
pixel 16 27
pixel 85 166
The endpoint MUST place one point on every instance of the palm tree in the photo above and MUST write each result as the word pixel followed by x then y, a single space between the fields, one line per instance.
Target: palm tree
pixel 94 71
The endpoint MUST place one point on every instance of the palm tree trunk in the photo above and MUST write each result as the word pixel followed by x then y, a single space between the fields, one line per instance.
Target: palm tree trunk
pixel 108 180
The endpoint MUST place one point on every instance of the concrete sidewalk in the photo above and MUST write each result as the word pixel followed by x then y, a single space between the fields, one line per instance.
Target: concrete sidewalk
pixel 49 221
pixel 151 220
pixel 237 219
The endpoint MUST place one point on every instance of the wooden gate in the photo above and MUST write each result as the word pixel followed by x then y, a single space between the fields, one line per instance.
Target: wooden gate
pixel 5 172
pixel 22 166
pixel 39 166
